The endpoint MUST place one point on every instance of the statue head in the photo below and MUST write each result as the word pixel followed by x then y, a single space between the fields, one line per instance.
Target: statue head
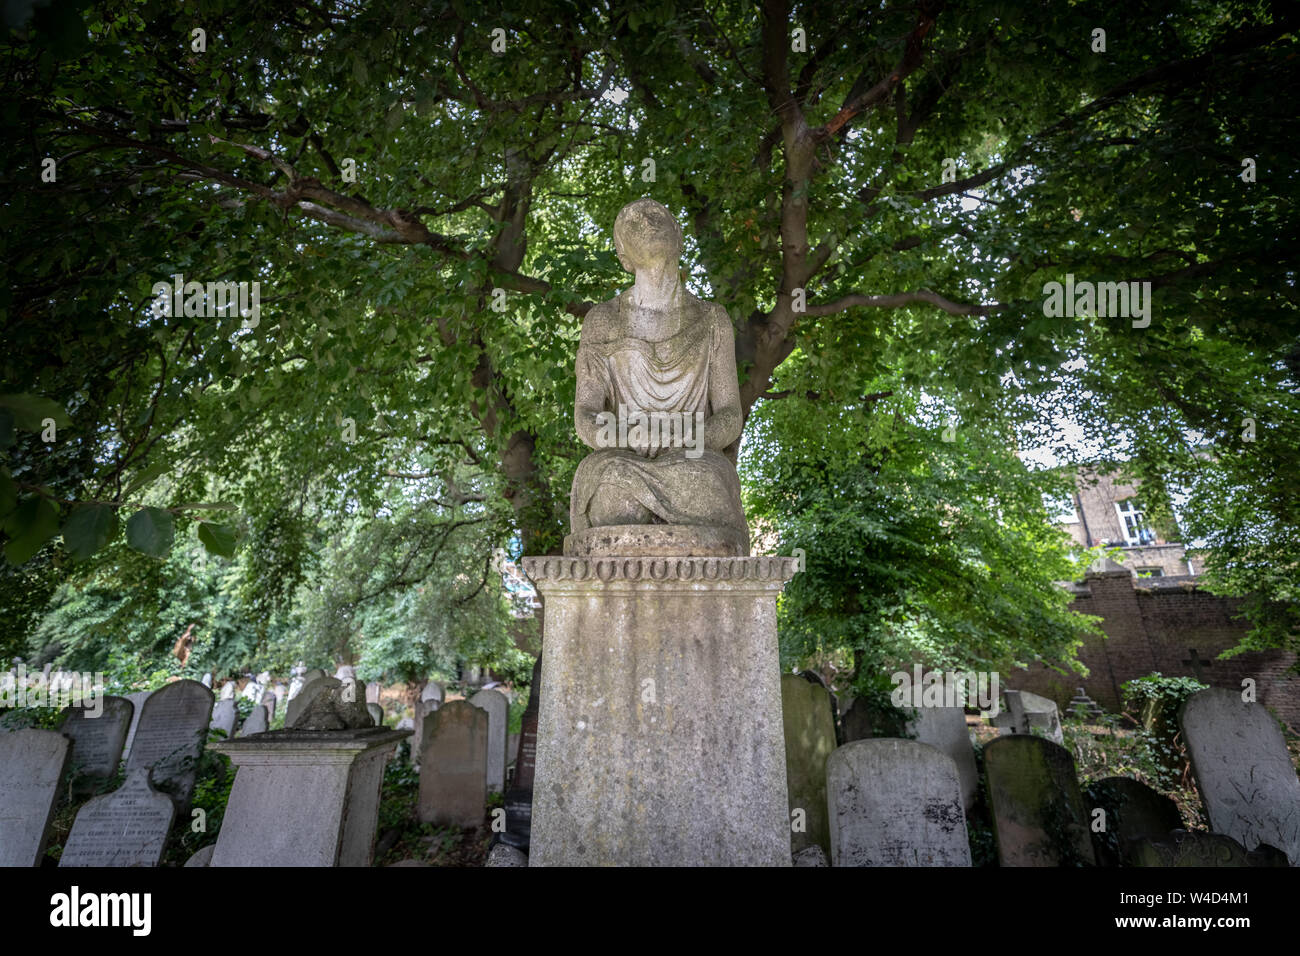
pixel 646 235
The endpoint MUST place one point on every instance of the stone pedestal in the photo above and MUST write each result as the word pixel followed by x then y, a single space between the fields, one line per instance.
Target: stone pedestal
pixel 660 737
pixel 304 797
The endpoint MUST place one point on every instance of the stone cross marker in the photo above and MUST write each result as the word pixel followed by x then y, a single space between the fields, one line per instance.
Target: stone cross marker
pixel 127 827
pixel 256 722
pixel 453 765
pixel 1025 712
pixel 1197 665
pixel 137 703
pixel 224 717
pixel 498 709
pixel 1038 814
pixel 809 741
pixel 895 803
pixel 1134 812
pixel 173 728
pixel 945 729
pixel 97 742
pixel 1243 770
pixel 31 764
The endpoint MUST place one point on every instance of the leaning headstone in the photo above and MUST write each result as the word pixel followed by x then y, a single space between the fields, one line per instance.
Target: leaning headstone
pixel 127 827
pixel 1194 848
pixel 228 690
pixel 1243 770
pixel 225 715
pixel 1038 814
pixel 170 737
pixel 945 729
pixel 809 741
pixel 895 803
pixel 453 765
pixel 137 708
pixel 256 723
pixel 207 680
pixel 376 714
pixel 97 741
pixel 1132 812
pixel 31 765
pixel 309 692
pixel 498 710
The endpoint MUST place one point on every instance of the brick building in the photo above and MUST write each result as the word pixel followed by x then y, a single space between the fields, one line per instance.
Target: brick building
pixel 1166 624
pixel 1104 510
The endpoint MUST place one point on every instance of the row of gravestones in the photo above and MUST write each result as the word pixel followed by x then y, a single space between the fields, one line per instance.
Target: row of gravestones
pixel 129 826
pixel 902 802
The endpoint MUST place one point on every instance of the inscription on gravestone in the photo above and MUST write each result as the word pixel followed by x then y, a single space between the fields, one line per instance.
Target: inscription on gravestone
pixel 31 763
pixel 170 738
pixel 125 828
pixel 97 742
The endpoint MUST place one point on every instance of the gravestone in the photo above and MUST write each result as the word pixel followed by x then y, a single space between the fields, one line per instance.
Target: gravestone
pixel 453 765
pixel 895 803
pixel 225 715
pixel 519 798
pixel 207 680
pixel 170 737
pixel 435 692
pixel 512 749
pixel 1194 848
pixel 298 704
pixel 97 742
pixel 503 854
pixel 31 764
pixel 269 701
pixel 1038 814
pixel 809 740
pixel 1243 770
pixel 376 714
pixel 304 797
pixel 1133 811
pixel 137 708
pixel 945 729
pixel 373 690
pixel 1024 713
pixel 498 710
pixel 228 690
pixel 256 723
pixel 1081 703
pixel 345 672
pixel 127 827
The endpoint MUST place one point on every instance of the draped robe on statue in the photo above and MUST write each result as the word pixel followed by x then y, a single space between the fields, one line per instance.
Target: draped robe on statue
pixel 667 376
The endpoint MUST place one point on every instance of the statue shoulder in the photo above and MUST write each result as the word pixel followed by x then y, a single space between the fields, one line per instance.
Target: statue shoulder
pixel 716 316
pixel 601 324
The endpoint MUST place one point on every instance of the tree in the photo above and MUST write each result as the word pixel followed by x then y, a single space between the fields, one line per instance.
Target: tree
pixel 915 172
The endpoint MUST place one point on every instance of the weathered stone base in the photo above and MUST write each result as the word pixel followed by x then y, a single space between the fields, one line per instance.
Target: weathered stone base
pixel 658 541
pixel 660 738
pixel 304 797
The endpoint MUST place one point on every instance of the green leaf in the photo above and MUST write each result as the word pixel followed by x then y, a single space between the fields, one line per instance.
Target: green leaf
pixel 89 528
pixel 32 523
pixel 30 410
pixel 144 476
pixel 219 539
pixel 150 530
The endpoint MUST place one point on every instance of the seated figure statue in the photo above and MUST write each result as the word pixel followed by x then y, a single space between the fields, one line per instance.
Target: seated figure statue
pixel 658 400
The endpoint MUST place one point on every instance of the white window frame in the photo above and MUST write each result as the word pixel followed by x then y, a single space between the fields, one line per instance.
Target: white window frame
pixel 1127 510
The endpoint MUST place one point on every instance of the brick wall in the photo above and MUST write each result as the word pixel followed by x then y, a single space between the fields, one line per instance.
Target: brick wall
pixel 1153 624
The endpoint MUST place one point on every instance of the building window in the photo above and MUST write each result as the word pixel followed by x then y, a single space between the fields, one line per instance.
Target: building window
pixel 1134 523
pixel 1150 572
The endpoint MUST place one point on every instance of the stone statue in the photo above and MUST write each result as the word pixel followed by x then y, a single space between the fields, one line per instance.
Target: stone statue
pixel 658 400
